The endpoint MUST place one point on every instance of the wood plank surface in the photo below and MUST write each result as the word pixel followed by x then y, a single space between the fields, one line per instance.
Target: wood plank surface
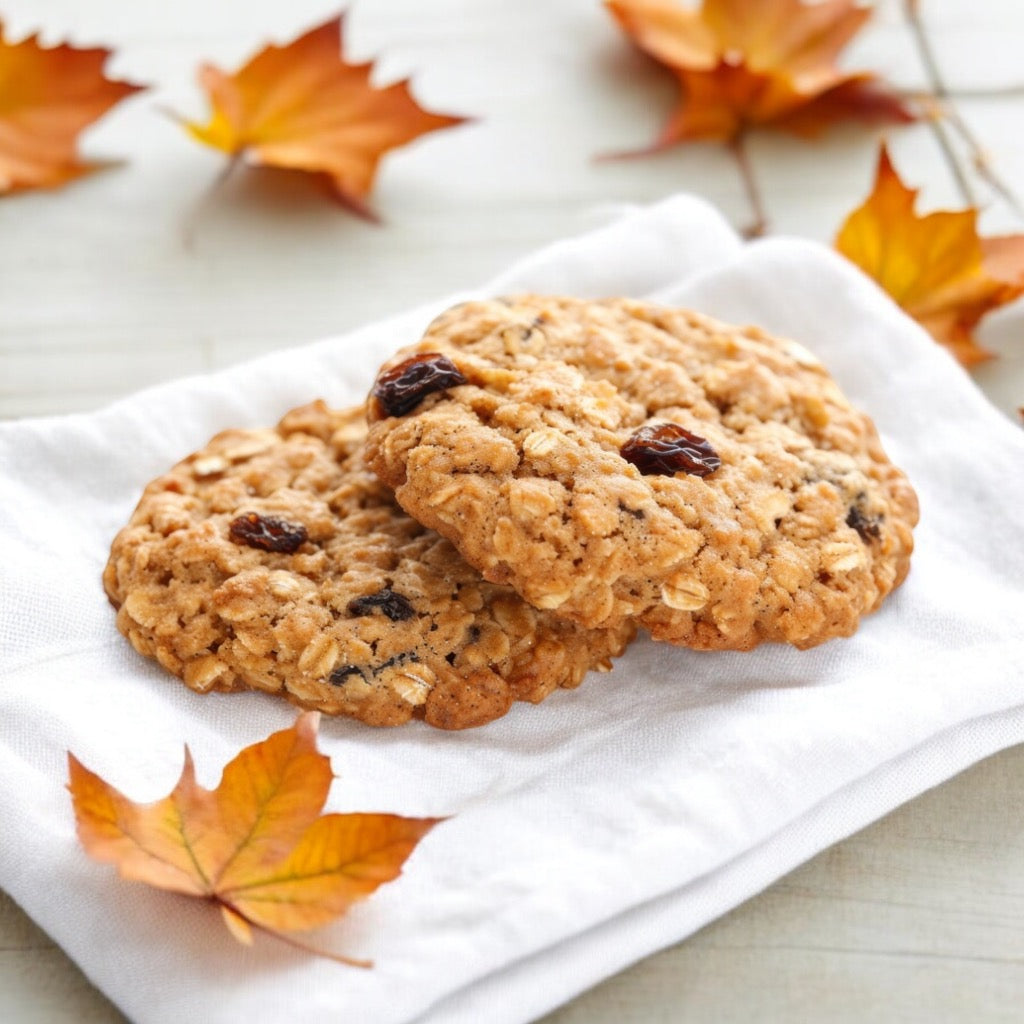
pixel 140 274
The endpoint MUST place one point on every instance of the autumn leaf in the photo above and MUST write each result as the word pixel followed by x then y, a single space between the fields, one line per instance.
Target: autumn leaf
pixel 48 95
pixel 935 266
pixel 256 846
pixel 741 64
pixel 301 107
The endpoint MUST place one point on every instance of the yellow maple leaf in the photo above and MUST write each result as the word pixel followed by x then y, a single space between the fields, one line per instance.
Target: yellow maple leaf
pixel 301 107
pixel 256 846
pixel 746 63
pixel 935 266
pixel 48 95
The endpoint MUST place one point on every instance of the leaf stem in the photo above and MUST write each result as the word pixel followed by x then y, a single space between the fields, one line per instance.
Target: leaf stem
pixel 191 222
pixel 338 958
pixel 741 154
pixel 943 107
pixel 288 940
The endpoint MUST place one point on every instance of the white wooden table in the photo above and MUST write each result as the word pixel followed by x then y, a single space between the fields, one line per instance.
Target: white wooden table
pixel 133 277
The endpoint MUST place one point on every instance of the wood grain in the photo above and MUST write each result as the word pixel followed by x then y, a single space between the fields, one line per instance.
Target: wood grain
pixel 139 275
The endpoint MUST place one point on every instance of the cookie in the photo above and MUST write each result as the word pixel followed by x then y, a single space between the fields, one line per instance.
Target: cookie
pixel 274 560
pixel 618 460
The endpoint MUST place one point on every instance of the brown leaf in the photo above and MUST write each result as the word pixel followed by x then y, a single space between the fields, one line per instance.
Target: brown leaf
pixel 935 266
pixel 256 846
pixel 747 63
pixel 301 107
pixel 48 95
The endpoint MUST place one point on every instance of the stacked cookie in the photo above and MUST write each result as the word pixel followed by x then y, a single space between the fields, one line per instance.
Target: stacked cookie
pixel 540 477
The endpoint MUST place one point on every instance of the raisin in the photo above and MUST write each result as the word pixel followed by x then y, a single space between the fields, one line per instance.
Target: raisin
pixel 341 674
pixel 394 606
pixel 400 389
pixel 866 526
pixel 268 533
pixel 667 448
pixel 397 659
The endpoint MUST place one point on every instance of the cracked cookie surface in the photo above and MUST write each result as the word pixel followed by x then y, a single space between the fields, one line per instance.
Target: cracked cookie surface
pixel 275 560
pixel 782 520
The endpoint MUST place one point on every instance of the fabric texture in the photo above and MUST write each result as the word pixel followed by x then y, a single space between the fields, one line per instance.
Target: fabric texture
pixel 585 832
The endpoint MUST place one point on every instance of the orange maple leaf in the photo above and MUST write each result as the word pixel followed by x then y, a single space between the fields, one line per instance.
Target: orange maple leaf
pixel 935 266
pixel 48 95
pixel 746 63
pixel 256 846
pixel 301 107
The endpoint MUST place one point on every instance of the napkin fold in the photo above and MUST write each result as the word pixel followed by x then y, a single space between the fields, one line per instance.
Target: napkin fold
pixel 588 831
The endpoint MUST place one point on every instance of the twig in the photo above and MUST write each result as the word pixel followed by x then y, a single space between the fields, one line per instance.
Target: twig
pixel 944 108
pixel 995 92
pixel 964 92
pixel 982 163
pixel 759 225
pixel 936 112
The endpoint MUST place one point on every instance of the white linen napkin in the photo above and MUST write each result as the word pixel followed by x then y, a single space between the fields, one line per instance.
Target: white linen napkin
pixel 585 832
